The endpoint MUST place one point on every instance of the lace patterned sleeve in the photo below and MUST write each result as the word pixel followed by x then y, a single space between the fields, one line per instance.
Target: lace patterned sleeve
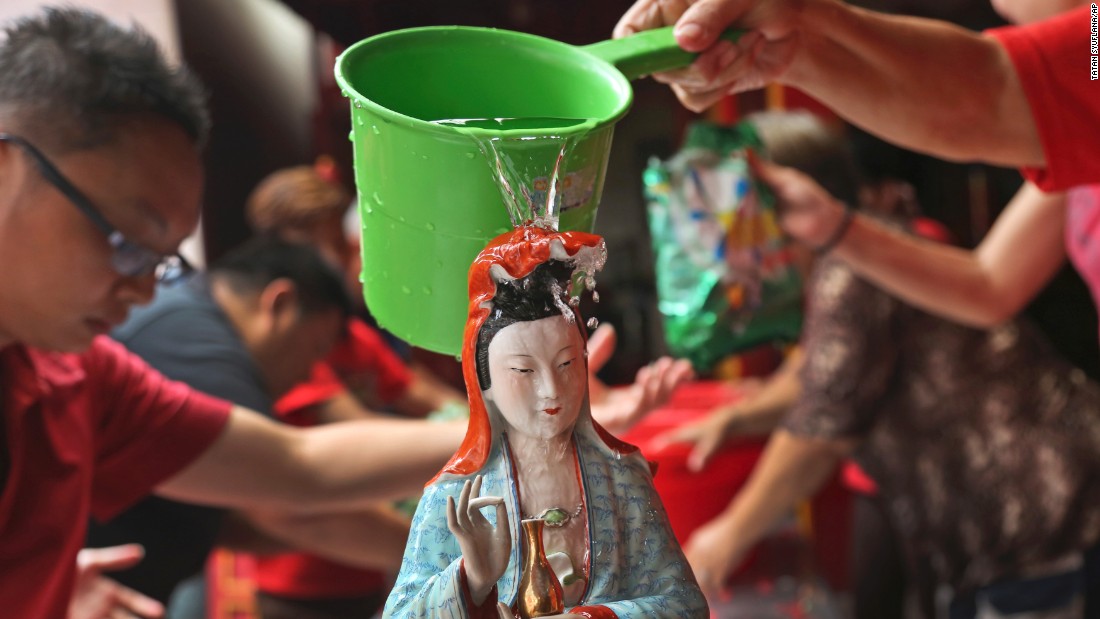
pixel 850 354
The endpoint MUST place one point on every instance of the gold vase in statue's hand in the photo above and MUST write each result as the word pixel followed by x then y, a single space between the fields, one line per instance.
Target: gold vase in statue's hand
pixel 540 593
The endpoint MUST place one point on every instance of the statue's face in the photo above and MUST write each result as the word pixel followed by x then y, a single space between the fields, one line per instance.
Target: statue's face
pixel 538 376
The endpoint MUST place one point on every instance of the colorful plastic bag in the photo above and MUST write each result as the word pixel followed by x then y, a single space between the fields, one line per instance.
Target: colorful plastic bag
pixel 725 277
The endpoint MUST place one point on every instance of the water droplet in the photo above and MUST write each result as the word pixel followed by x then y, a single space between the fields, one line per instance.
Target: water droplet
pixel 406 290
pixel 351 136
pixel 458 358
pixel 359 105
pixel 401 218
pixel 368 209
pixel 596 296
pixel 426 290
pixel 431 227
pixel 375 129
pixel 424 157
pixel 359 121
pixel 592 323
pixel 479 231
pixel 377 199
pixel 470 155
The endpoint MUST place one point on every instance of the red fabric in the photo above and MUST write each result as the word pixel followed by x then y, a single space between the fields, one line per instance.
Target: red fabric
pixel 1052 61
pixel 856 480
pixel 932 230
pixel 488 608
pixel 594 612
pixel 307 577
pixel 87 433
pixel 693 499
pixel 361 360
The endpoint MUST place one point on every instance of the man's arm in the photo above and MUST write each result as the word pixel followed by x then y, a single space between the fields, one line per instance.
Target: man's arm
pixel 259 464
pixel 372 538
pixel 924 84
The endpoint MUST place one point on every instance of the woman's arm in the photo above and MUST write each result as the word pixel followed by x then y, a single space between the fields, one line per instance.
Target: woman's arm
pixel 757 414
pixel 792 469
pixel 981 288
pixel 956 91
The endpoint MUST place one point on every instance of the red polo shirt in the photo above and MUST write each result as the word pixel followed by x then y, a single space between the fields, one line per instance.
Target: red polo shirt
pixel 361 360
pixel 87 433
pixel 1052 59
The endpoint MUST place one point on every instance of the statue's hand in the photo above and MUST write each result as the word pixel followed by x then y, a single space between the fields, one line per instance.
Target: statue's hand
pixel 485 548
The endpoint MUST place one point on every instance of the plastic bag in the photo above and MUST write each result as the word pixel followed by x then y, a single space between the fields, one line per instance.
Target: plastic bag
pixel 725 277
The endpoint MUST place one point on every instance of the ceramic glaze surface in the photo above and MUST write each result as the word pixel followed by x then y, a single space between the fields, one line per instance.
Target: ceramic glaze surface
pixel 543 452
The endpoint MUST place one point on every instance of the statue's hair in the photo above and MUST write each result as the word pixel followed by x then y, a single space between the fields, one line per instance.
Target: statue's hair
pixel 541 294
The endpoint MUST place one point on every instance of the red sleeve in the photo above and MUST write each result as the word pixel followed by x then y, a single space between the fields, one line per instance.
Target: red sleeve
pixel 594 612
pixel 323 385
pixel 364 351
pixel 488 608
pixel 1052 59
pixel 149 429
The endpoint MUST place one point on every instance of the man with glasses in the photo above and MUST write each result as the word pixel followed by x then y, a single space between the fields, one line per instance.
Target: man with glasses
pixel 100 181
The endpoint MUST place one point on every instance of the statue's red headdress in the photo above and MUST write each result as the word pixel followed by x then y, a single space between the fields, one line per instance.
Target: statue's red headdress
pixel 514 255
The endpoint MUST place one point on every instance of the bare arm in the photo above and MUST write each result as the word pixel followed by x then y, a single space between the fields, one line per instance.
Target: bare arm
pixel 762 413
pixel 757 414
pixel 982 288
pixel 923 84
pixel 372 538
pixel 426 394
pixel 790 470
pixel 259 464
pixel 344 407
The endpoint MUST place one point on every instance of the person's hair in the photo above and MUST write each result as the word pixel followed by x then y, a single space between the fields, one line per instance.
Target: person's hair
pixel 542 293
pixel 249 268
pixel 70 79
pixel 802 141
pixel 295 198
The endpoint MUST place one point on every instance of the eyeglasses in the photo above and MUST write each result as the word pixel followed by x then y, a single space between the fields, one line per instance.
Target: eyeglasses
pixel 128 258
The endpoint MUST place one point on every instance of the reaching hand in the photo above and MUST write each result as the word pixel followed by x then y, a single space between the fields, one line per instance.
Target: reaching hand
pixel 713 552
pixel 705 435
pixel 807 212
pixel 485 548
pixel 757 58
pixel 619 408
pixel 96 597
